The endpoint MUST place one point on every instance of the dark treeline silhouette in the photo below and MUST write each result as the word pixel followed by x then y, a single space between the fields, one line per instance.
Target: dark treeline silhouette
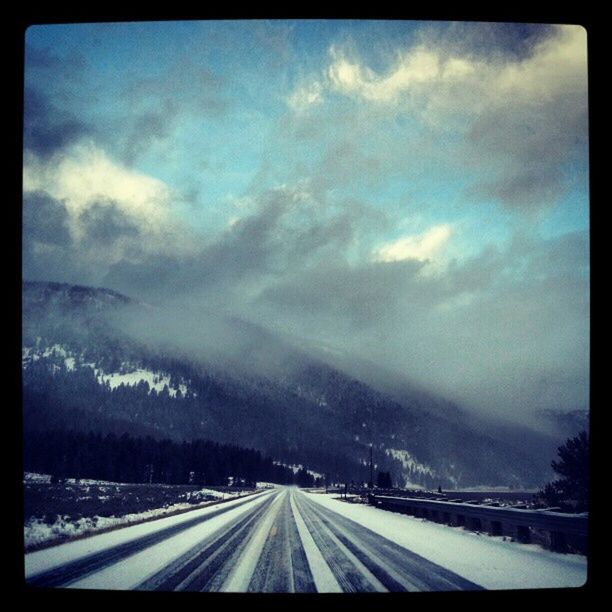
pixel 384 481
pixel 74 454
pixel 58 398
pixel 571 490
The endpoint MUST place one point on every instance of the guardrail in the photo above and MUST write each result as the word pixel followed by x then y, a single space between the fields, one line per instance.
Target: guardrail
pixel 555 530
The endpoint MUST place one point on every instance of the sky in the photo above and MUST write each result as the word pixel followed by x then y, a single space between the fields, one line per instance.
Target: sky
pixel 415 193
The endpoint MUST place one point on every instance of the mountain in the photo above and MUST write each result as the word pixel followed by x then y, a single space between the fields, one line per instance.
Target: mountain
pixel 567 424
pixel 96 360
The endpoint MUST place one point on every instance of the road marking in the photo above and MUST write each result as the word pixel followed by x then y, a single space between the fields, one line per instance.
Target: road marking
pixel 324 579
pixel 362 570
pixel 240 577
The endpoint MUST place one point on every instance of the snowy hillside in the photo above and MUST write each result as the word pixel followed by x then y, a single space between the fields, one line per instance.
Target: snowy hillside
pixel 128 374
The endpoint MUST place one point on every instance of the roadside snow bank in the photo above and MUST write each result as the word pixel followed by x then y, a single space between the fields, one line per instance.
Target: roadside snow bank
pixel 42 560
pixel 486 560
pixel 38 530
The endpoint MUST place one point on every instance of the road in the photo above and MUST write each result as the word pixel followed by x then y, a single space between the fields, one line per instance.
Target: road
pixel 281 541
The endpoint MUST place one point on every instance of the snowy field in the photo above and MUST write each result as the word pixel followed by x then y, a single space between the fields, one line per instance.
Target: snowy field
pixel 73 509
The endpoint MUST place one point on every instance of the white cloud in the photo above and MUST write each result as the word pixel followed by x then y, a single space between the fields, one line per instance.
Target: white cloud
pixel 306 96
pixel 84 177
pixel 421 247
pixel 515 122
pixel 413 70
pixel 445 81
pixel 557 65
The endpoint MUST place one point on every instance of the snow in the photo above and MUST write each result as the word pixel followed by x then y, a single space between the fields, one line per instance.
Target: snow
pixel 137 568
pixel 37 531
pixel 490 489
pixel 156 380
pixel 240 576
pixel 486 560
pixel 42 560
pixel 35 477
pixel 46 478
pixel 323 577
pixel 408 461
pixel 298 467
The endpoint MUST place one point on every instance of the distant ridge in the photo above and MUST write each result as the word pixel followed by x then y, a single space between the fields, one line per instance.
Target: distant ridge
pixel 73 290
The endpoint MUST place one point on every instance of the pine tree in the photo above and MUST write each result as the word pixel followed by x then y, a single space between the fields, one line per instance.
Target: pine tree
pixel 572 489
pixel 383 480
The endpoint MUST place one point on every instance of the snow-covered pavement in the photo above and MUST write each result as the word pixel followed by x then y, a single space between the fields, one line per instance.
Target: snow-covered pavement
pixel 286 540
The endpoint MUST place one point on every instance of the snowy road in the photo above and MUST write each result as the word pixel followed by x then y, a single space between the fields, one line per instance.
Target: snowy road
pixel 279 541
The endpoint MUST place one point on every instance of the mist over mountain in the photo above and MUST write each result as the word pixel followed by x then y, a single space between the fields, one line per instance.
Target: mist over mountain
pixel 94 359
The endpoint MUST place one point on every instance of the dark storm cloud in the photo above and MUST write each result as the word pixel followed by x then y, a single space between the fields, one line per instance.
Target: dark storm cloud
pixel 105 234
pixel 533 147
pixel 44 59
pixel 149 128
pixel 349 297
pixel 60 104
pixel 483 332
pixel 104 223
pixel 283 236
pixel 503 41
pixel 48 128
pixel 44 220
pixel 48 252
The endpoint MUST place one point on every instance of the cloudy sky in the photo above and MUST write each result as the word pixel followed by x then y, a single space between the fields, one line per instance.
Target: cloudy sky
pixel 412 192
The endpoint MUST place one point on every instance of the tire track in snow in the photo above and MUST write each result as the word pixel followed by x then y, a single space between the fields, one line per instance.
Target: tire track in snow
pixel 243 569
pixel 352 575
pixel 84 566
pixel 207 563
pixel 283 566
pixel 323 577
pixel 396 567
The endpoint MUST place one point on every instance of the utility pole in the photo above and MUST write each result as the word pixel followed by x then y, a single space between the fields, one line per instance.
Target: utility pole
pixel 371 485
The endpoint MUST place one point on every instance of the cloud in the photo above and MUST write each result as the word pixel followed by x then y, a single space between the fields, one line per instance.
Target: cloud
pixel 281 233
pixel 483 331
pixel 159 105
pixel 420 246
pixel 149 128
pixel 513 122
pixel 71 65
pixel 554 66
pixel 533 141
pixel 415 68
pixel 45 220
pixel 65 102
pixel 104 223
pixel 82 205
pixel 305 96
pixel 84 175
pixel 47 128
pixel 48 251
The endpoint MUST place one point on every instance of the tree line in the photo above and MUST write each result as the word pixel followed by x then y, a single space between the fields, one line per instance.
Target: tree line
pixel 125 458
pixel 570 492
